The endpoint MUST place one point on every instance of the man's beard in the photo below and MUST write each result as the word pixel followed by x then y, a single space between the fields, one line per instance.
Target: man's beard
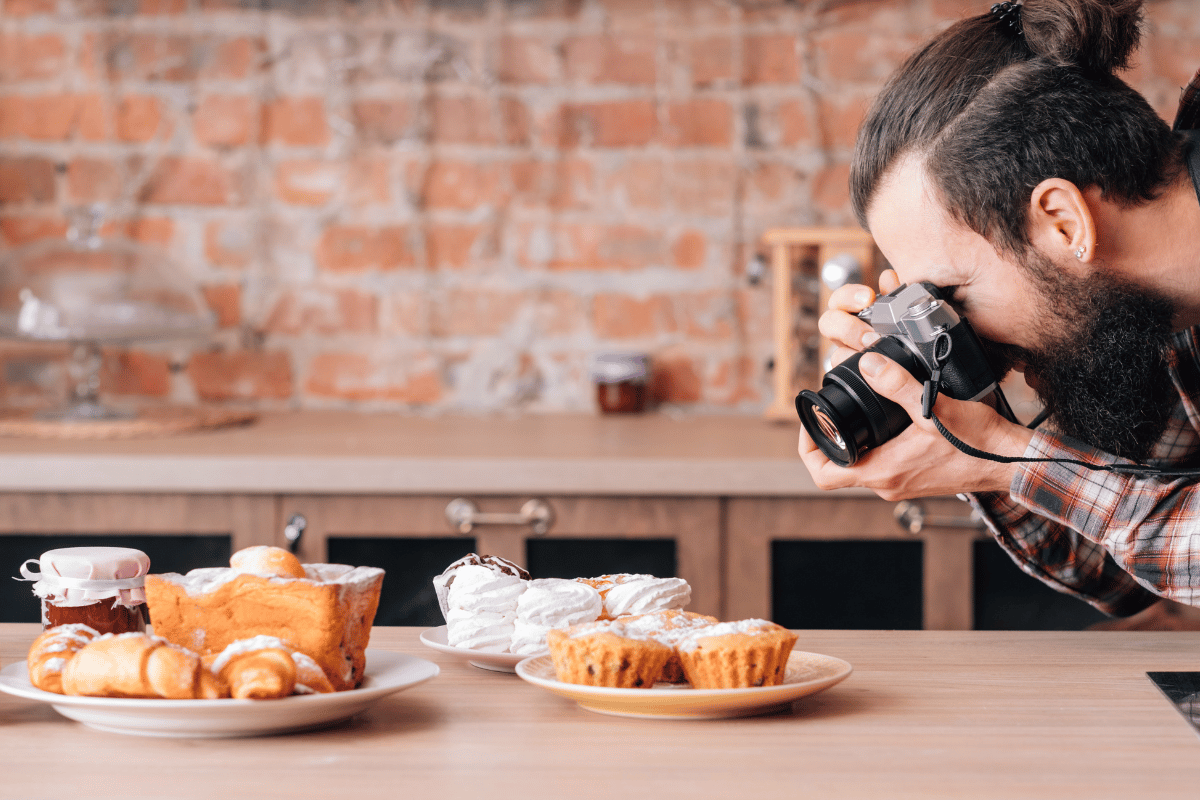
pixel 1103 371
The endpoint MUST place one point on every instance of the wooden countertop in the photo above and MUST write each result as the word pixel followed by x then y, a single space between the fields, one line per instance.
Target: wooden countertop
pixel 926 714
pixel 345 452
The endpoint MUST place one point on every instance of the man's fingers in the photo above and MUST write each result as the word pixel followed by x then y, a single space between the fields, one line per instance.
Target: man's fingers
pixel 892 381
pixel 846 329
pixel 825 474
pixel 840 354
pixel 852 297
pixel 888 281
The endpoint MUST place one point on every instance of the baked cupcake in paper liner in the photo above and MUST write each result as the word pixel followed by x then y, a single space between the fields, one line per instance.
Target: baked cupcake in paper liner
pixel 599 654
pixel 668 627
pixel 736 655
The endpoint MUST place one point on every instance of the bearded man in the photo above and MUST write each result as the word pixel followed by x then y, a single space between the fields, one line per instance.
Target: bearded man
pixel 1007 164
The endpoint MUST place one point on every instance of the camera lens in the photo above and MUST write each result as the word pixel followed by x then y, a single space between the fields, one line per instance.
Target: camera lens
pixel 846 417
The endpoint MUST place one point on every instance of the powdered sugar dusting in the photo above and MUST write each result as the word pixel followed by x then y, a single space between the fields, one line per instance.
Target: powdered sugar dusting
pixel 750 627
pixel 207 580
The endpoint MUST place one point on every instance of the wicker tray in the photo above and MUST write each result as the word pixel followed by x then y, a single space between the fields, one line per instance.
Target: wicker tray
pixel 149 422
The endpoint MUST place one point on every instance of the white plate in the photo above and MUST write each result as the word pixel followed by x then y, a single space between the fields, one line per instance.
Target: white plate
pixel 386 673
pixel 807 673
pixel 435 638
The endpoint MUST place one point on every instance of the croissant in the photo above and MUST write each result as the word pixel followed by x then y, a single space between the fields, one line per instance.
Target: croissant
pixel 139 665
pixel 266 667
pixel 310 678
pixel 51 651
pixel 263 674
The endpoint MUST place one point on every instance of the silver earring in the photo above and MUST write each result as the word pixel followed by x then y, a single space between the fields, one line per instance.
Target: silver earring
pixel 1079 253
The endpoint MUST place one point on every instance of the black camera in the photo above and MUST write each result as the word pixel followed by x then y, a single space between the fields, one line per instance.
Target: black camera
pixel 921 333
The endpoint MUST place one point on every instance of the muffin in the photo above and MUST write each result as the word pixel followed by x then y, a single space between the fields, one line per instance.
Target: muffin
pixel 736 655
pixel 668 627
pixel 601 654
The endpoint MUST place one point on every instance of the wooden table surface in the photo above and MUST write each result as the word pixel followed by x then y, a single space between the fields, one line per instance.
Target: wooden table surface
pixel 926 714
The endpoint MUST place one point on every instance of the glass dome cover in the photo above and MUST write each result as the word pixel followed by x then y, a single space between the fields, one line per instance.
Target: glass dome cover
pixel 87 291
pixel 85 288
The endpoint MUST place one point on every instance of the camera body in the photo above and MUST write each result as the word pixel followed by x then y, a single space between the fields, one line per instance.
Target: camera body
pixel 917 316
pixel 926 336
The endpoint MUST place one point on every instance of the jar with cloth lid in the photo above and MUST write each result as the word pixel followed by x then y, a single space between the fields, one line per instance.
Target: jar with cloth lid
pixel 621 382
pixel 101 587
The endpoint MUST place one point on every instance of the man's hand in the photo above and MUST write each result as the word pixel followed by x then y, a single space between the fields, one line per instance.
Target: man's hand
pixel 919 462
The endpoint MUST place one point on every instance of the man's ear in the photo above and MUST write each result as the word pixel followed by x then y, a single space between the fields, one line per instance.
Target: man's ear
pixel 1060 222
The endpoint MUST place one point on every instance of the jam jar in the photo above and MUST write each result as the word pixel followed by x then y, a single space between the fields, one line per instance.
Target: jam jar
pixel 101 587
pixel 621 382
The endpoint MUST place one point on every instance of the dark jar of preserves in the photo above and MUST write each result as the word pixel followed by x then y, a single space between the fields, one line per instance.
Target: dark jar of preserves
pixel 622 382
pixel 101 587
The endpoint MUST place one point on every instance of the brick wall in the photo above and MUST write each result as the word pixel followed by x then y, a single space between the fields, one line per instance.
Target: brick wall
pixel 450 204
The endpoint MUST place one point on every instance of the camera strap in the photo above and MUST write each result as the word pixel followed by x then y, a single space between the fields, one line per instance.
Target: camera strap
pixel 941 354
pixel 1141 470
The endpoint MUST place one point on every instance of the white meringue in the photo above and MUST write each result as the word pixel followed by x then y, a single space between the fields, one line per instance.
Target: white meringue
pixel 477 588
pixel 558 602
pixel 643 594
pixel 552 603
pixel 486 631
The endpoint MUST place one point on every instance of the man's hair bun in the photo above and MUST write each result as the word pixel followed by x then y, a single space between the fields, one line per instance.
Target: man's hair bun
pixel 1092 35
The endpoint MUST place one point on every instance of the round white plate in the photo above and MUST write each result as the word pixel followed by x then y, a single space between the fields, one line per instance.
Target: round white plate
pixel 386 673
pixel 807 673
pixel 435 638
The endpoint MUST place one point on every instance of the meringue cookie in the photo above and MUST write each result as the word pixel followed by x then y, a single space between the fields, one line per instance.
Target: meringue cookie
pixel 528 638
pixel 642 594
pixel 551 603
pixel 558 602
pixel 477 588
pixel 441 584
pixel 486 631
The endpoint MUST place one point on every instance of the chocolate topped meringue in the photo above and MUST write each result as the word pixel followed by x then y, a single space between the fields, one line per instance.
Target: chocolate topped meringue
pixel 498 565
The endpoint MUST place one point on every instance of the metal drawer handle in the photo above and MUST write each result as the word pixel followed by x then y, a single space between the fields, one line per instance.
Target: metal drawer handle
pixel 464 515
pixel 294 529
pixel 911 516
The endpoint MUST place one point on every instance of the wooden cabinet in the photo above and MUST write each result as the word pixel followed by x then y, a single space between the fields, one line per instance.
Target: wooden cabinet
pixel 722 545
pixel 245 519
pixel 752 524
pixel 694 524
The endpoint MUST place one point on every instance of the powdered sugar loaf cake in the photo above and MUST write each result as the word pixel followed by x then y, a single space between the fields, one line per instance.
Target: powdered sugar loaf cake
pixel 326 614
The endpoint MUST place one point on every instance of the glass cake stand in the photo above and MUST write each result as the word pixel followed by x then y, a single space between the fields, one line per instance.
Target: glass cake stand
pixel 88 291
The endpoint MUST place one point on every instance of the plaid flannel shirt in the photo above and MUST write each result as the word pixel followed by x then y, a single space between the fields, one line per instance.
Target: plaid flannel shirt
pixel 1117 541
